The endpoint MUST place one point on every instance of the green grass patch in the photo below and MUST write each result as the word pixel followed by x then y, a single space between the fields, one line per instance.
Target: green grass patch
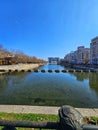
pixel 29 117
pixel 37 118
pixel 94 118
pixel 91 120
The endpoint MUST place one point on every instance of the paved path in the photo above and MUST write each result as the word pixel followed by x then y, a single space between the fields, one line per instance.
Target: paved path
pixel 43 110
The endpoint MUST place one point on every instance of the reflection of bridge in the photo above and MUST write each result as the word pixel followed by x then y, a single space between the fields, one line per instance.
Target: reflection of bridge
pixel 53 60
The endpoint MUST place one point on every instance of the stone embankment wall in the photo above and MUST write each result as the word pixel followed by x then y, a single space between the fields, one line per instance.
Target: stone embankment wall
pixel 18 67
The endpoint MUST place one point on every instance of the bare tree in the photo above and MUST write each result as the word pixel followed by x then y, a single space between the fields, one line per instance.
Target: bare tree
pixel 18 56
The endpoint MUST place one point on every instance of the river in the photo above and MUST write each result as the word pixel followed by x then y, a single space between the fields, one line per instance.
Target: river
pixel 79 89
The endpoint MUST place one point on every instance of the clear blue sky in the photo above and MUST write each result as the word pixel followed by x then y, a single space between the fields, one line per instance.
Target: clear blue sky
pixel 45 28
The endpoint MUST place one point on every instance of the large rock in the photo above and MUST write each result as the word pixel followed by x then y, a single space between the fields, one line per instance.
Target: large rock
pixel 70 118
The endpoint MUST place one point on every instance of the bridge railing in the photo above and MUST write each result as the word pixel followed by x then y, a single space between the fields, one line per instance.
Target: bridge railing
pixel 12 125
pixel 70 119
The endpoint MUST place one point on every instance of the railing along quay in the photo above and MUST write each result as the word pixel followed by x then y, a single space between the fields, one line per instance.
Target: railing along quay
pixel 69 119
pixel 50 71
pixel 11 125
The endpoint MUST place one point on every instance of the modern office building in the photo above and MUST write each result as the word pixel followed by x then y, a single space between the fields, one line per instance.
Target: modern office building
pixel 53 60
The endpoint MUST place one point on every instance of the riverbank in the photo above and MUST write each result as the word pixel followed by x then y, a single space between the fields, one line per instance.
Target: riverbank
pixel 44 110
pixel 18 67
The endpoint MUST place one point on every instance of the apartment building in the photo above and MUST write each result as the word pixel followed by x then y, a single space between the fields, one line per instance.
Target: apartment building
pixel 71 57
pixel 80 56
pixel 83 55
pixel 94 51
pixel 87 55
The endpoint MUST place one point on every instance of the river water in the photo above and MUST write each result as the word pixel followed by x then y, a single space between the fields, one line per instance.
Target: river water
pixel 78 89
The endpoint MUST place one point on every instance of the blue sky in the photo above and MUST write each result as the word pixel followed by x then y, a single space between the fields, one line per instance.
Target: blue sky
pixel 45 28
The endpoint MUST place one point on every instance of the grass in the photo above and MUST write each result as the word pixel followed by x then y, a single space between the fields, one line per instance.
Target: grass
pixel 29 117
pixel 37 118
pixel 94 118
pixel 91 120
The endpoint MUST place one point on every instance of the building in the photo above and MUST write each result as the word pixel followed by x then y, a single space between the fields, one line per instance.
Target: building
pixel 94 51
pixel 87 55
pixel 71 57
pixel 67 58
pixel 53 60
pixel 83 55
pixel 80 56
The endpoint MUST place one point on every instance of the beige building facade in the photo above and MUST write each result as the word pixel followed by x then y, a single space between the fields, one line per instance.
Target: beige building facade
pixel 94 51
pixel 83 55
pixel 71 57
pixel 80 56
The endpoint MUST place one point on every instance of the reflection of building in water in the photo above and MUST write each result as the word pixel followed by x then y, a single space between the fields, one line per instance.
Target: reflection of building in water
pixel 93 81
pixel 81 76
pixel 92 77
pixel 94 50
pixel 53 60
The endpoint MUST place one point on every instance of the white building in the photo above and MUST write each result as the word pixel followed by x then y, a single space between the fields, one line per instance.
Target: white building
pixel 83 55
pixel 80 56
pixel 71 57
pixel 87 55
pixel 94 51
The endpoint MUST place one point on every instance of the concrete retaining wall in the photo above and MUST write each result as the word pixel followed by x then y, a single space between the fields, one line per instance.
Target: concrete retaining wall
pixel 43 110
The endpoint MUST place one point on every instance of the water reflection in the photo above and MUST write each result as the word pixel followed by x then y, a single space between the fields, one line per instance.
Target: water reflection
pixel 80 76
pixel 9 85
pixel 51 89
pixel 52 67
pixel 91 77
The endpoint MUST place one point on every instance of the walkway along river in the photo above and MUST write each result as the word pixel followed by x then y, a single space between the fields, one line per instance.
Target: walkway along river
pixel 78 89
